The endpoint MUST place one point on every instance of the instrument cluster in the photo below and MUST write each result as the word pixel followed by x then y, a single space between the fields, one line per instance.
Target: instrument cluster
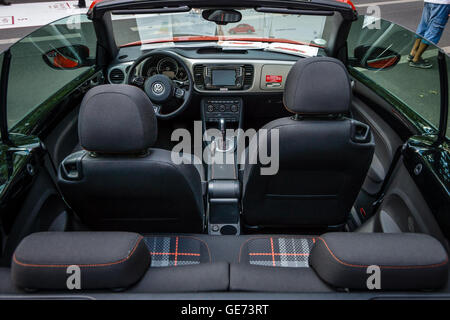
pixel 164 65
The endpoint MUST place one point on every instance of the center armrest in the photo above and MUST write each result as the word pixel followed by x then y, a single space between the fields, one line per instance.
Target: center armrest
pixel 224 189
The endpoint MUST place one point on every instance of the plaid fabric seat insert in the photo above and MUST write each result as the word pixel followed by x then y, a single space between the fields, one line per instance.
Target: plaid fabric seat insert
pixel 177 251
pixel 277 251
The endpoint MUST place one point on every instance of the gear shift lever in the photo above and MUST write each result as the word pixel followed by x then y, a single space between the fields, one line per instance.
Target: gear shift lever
pixel 224 133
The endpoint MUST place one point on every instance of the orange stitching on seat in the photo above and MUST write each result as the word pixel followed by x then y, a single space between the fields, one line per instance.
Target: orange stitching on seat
pixel 79 265
pixel 273 255
pixel 179 253
pixel 176 251
pixel 385 267
pixel 190 237
pixel 278 254
pixel 206 245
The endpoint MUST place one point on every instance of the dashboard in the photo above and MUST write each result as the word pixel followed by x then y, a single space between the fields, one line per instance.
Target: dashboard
pixel 224 74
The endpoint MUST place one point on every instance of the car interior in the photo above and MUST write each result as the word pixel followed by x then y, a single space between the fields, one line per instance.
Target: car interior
pixel 106 195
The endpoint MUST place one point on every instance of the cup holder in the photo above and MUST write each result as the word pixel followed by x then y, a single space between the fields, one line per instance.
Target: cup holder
pixel 228 230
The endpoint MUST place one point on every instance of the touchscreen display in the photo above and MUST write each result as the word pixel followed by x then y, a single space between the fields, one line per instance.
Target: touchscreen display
pixel 223 77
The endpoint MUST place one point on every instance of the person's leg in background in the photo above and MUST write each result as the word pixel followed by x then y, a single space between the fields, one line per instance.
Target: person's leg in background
pixel 420 45
pixel 438 18
pixel 423 45
pixel 421 29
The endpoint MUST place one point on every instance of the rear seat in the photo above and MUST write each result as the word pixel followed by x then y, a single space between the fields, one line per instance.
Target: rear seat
pixel 201 263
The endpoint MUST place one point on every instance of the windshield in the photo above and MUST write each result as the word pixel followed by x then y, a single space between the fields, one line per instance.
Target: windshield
pixel 148 29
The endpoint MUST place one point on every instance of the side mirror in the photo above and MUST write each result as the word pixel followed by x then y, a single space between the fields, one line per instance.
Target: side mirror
pixel 375 58
pixel 67 58
pixel 222 17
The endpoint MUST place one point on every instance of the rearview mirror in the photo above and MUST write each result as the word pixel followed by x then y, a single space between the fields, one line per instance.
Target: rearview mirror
pixel 375 58
pixel 70 57
pixel 222 17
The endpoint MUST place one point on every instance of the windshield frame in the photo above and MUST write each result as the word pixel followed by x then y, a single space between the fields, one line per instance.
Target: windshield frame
pixel 101 15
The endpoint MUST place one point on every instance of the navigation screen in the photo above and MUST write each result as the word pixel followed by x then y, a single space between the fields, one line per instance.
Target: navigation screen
pixel 223 77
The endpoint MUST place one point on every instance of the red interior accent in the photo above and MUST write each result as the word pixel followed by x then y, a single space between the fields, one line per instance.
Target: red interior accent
pixel 363 212
pixel 175 253
pixel 348 2
pixel 94 3
pixel 277 254
pixel 273 78
pixel 273 253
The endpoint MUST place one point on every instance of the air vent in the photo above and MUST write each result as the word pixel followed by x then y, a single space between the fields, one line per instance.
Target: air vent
pixel 198 75
pixel 248 76
pixel 220 51
pixel 116 76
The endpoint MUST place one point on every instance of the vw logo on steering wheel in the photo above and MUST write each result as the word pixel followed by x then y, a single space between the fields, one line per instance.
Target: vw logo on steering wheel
pixel 158 88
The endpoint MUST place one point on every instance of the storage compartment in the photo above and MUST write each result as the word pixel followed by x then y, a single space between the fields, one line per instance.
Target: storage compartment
pixel 224 209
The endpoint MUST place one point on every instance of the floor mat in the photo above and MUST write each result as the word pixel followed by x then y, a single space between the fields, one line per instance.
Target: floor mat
pixel 290 252
pixel 177 251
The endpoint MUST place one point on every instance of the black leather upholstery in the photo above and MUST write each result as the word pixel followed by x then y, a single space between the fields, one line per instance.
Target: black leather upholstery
pixel 107 260
pixel 123 185
pixel 323 157
pixel 406 261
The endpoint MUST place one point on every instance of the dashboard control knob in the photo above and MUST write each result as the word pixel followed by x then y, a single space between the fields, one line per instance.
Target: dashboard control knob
pixel 234 108
pixel 210 108
pixel 222 108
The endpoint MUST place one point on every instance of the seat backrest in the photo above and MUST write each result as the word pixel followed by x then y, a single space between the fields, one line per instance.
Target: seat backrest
pixel 323 155
pixel 118 182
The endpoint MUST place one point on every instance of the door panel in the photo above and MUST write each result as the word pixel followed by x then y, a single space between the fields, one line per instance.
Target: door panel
pixel 402 103
pixel 405 209
pixel 386 143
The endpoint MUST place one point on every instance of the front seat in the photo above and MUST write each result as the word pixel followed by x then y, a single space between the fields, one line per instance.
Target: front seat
pixel 118 182
pixel 324 156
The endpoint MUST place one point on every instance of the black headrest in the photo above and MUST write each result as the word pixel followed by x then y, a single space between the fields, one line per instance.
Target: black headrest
pixel 117 119
pixel 318 86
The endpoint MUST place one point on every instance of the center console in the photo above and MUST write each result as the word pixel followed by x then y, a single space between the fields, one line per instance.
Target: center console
pixel 222 114
pixel 229 109
pixel 223 77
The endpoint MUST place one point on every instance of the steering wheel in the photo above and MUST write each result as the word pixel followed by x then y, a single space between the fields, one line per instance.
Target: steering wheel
pixel 160 88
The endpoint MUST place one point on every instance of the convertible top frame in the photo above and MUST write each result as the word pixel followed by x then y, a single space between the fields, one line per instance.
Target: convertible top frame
pixel 99 9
